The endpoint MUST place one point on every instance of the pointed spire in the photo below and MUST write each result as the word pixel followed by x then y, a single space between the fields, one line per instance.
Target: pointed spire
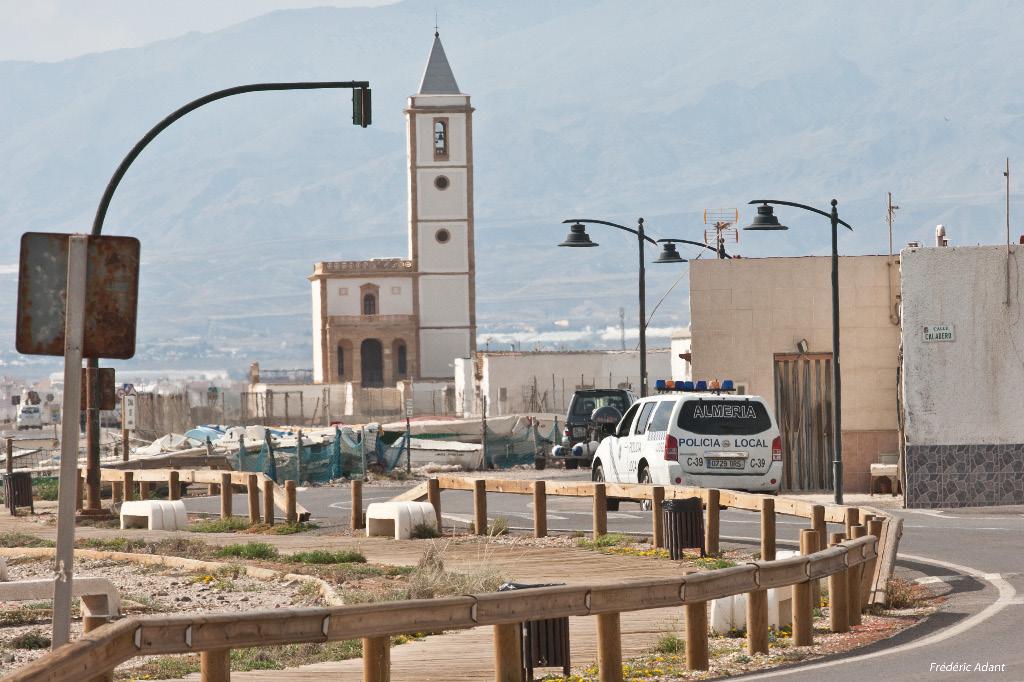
pixel 438 78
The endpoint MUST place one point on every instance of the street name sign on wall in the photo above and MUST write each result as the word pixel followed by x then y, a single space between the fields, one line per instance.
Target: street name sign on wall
pixel 939 332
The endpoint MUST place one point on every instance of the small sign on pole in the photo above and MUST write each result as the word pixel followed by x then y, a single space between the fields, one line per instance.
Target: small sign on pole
pixel 128 412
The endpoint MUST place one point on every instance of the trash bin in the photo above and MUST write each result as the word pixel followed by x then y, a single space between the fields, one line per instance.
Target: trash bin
pixel 684 525
pixel 18 491
pixel 544 643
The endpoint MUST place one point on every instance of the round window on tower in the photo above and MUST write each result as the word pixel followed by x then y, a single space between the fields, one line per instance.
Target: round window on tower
pixel 442 236
pixel 441 182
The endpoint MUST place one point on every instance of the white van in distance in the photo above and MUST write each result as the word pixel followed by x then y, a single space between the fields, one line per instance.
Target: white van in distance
pixel 694 435
pixel 29 417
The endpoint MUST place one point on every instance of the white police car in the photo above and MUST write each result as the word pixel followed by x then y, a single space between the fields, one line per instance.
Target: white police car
pixel 692 434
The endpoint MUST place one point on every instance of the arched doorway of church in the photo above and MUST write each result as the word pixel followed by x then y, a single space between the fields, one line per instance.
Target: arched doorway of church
pixel 372 354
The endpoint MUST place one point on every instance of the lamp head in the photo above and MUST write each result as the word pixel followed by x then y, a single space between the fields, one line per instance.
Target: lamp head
pixel 765 219
pixel 578 236
pixel 669 253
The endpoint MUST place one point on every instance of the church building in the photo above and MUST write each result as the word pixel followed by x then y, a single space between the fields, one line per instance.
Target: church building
pixel 383 321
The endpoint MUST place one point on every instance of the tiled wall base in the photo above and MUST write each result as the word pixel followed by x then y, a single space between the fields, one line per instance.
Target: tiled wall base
pixel 964 475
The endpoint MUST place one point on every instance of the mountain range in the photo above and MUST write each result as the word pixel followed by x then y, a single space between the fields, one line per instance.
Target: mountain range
pixel 609 109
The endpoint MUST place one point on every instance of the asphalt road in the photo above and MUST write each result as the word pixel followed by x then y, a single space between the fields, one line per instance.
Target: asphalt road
pixel 975 557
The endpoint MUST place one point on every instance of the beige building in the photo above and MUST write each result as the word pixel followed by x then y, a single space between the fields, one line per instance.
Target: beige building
pixel 766 323
pixel 388 320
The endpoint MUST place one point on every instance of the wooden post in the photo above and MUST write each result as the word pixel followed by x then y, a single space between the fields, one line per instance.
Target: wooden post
pixel 815 543
pixel 852 519
pixel 291 513
pixel 540 509
pixel 215 665
pixel 874 528
pixel 818 523
pixel 803 603
pixel 768 529
pixel 434 498
pixel 480 506
pixel 711 527
pixel 225 496
pixel 508 663
pixel 9 446
pixel 79 490
pixel 268 502
pixel 173 486
pixel 356 513
pixel 253 488
pixel 657 516
pixel 609 648
pixel 116 492
pixel 377 659
pixel 600 510
pixel 838 602
pixel 697 636
pixel 757 622
pixel 129 486
pixel 90 623
pixel 853 575
pixel 212 489
pixel 144 490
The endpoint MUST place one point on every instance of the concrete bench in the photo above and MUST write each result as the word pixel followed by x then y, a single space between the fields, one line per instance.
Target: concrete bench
pixel 885 471
pixel 154 515
pixel 398 519
pixel 99 596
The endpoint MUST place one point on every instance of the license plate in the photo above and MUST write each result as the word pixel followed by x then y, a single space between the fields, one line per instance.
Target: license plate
pixel 725 463
pixel 579 431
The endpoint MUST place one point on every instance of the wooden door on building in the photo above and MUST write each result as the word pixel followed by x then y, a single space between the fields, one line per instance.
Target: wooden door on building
pixel 371 354
pixel 803 406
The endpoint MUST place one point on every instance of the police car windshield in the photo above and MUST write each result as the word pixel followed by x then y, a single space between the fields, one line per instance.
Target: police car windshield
pixel 724 417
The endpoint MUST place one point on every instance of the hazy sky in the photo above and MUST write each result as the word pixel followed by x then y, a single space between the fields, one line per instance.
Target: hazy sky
pixel 52 30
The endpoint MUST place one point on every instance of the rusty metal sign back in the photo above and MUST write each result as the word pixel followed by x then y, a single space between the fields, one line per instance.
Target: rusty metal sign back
pixel 112 293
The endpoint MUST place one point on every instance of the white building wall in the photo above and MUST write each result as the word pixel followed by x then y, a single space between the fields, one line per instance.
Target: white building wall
pixel 682 370
pixel 444 256
pixel 318 323
pixel 444 301
pixel 438 350
pixel 963 398
pixel 456 130
pixel 344 296
pixel 448 204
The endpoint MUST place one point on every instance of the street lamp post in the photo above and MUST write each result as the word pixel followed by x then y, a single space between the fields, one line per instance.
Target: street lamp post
pixel 578 237
pixel 766 220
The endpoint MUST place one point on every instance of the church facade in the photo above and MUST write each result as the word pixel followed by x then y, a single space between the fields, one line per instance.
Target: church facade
pixel 381 322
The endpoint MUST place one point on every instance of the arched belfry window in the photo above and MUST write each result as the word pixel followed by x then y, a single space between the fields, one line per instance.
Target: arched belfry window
pixel 441 139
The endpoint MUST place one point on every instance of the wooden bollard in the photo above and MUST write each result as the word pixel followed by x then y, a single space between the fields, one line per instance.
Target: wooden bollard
pixel 609 647
pixel 757 622
pixel 867 580
pixel 434 498
pixel 711 527
pixel 696 636
pixel 215 665
pixel 225 496
pixel 540 509
pixel 376 659
pixel 767 529
pixel 144 490
pixel 657 516
pixel 291 512
pixel 508 665
pixel 252 487
pixel 838 601
pixel 356 512
pixel 852 519
pixel 129 486
pixel 480 506
pixel 173 486
pixel 815 544
pixel 803 602
pixel 818 523
pixel 117 492
pixel 600 510
pixel 853 575
pixel 90 623
pixel 268 502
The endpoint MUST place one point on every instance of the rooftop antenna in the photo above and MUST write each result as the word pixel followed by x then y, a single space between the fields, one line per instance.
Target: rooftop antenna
pixel 894 315
pixel 723 221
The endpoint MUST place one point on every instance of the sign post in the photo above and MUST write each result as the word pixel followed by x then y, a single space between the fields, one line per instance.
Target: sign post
pixel 127 395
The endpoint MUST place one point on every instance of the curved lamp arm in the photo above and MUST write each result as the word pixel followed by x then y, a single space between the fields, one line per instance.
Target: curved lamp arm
pixel 101 211
pixel 806 208
pixel 692 243
pixel 605 222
